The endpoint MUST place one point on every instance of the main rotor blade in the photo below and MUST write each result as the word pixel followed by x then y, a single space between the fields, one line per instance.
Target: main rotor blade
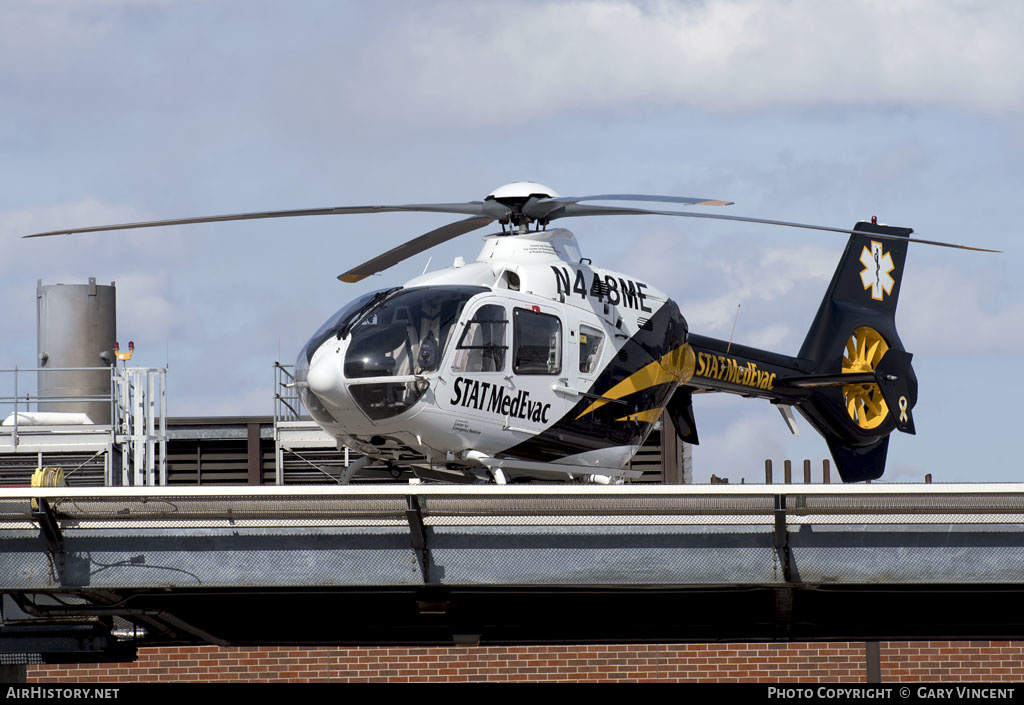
pixel 470 208
pixel 642 197
pixel 414 247
pixel 573 210
pixel 541 208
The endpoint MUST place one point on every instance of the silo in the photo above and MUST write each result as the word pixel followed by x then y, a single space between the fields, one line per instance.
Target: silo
pixel 77 327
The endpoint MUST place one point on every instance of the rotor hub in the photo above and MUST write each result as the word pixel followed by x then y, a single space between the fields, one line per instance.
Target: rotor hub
pixel 520 191
pixel 515 197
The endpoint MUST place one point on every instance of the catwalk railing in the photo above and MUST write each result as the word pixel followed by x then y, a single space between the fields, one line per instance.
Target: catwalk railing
pixel 133 444
pixel 90 570
pixel 547 535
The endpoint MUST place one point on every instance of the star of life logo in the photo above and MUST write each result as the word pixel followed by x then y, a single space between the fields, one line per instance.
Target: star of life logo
pixel 876 273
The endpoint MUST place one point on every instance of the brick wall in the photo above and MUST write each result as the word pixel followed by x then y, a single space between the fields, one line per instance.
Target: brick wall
pixel 776 662
pixel 953 661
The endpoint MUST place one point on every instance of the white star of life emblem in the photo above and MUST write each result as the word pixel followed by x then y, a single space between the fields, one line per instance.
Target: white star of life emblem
pixel 875 275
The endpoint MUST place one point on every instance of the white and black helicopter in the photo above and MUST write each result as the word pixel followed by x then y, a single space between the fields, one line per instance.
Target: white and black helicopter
pixel 532 362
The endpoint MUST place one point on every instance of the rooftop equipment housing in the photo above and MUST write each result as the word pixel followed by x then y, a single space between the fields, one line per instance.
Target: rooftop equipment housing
pixel 77 327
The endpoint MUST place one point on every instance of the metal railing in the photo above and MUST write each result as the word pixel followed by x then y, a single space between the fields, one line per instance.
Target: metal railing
pixel 287 406
pixel 299 444
pixel 912 504
pixel 19 401
pixel 138 420
pixel 136 437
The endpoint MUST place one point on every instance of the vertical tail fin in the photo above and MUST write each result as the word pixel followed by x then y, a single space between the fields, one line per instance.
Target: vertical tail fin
pixel 853 333
pixel 865 288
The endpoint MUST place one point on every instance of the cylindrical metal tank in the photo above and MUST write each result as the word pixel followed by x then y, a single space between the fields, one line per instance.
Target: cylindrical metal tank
pixel 77 327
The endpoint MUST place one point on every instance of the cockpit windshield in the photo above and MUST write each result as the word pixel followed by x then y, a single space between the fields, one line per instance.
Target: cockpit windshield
pixel 408 333
pixel 332 327
pixel 344 317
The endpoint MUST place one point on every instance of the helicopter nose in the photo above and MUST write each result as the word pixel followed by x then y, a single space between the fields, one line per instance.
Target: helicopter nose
pixel 324 376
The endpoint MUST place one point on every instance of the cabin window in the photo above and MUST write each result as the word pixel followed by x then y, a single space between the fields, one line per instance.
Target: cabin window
pixel 482 345
pixel 590 348
pixel 538 343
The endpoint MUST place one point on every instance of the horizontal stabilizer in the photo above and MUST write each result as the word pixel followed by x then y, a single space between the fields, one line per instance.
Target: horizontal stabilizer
pixel 817 381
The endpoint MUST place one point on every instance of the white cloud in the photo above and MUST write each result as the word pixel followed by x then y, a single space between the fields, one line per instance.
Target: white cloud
pixel 727 55
pixel 25 221
pixel 39 37
pixel 771 285
pixel 738 447
pixel 71 252
pixel 488 65
pixel 770 337
pixel 951 310
pixel 145 310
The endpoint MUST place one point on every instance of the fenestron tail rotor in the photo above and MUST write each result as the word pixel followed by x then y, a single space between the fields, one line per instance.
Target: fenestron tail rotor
pixel 864 402
pixel 517 205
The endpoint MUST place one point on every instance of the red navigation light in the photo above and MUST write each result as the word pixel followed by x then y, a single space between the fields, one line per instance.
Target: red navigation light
pixel 124 356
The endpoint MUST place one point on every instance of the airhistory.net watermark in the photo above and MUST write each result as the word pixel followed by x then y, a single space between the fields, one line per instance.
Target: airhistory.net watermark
pixel 33 692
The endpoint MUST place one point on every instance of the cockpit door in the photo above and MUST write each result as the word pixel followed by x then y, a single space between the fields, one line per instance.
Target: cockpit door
pixel 482 347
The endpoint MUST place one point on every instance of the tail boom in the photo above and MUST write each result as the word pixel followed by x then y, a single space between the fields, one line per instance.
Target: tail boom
pixel 852 379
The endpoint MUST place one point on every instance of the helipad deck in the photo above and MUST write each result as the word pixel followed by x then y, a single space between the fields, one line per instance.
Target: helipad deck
pixel 433 564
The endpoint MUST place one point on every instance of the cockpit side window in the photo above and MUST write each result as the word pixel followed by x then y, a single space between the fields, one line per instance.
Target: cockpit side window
pixel 482 345
pixel 537 343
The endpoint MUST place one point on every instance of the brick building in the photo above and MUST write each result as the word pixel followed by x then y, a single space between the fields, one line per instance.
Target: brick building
pixel 927 661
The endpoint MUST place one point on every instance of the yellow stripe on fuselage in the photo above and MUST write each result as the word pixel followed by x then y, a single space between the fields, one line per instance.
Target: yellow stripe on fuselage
pixel 674 366
pixel 649 416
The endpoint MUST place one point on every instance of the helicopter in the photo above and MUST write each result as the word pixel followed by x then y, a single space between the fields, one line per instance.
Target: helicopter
pixel 531 362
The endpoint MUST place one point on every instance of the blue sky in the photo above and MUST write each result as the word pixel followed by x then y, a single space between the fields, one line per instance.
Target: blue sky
pixel 119 110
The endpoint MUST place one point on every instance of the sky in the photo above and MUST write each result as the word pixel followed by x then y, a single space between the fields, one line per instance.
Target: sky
pixel 829 113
